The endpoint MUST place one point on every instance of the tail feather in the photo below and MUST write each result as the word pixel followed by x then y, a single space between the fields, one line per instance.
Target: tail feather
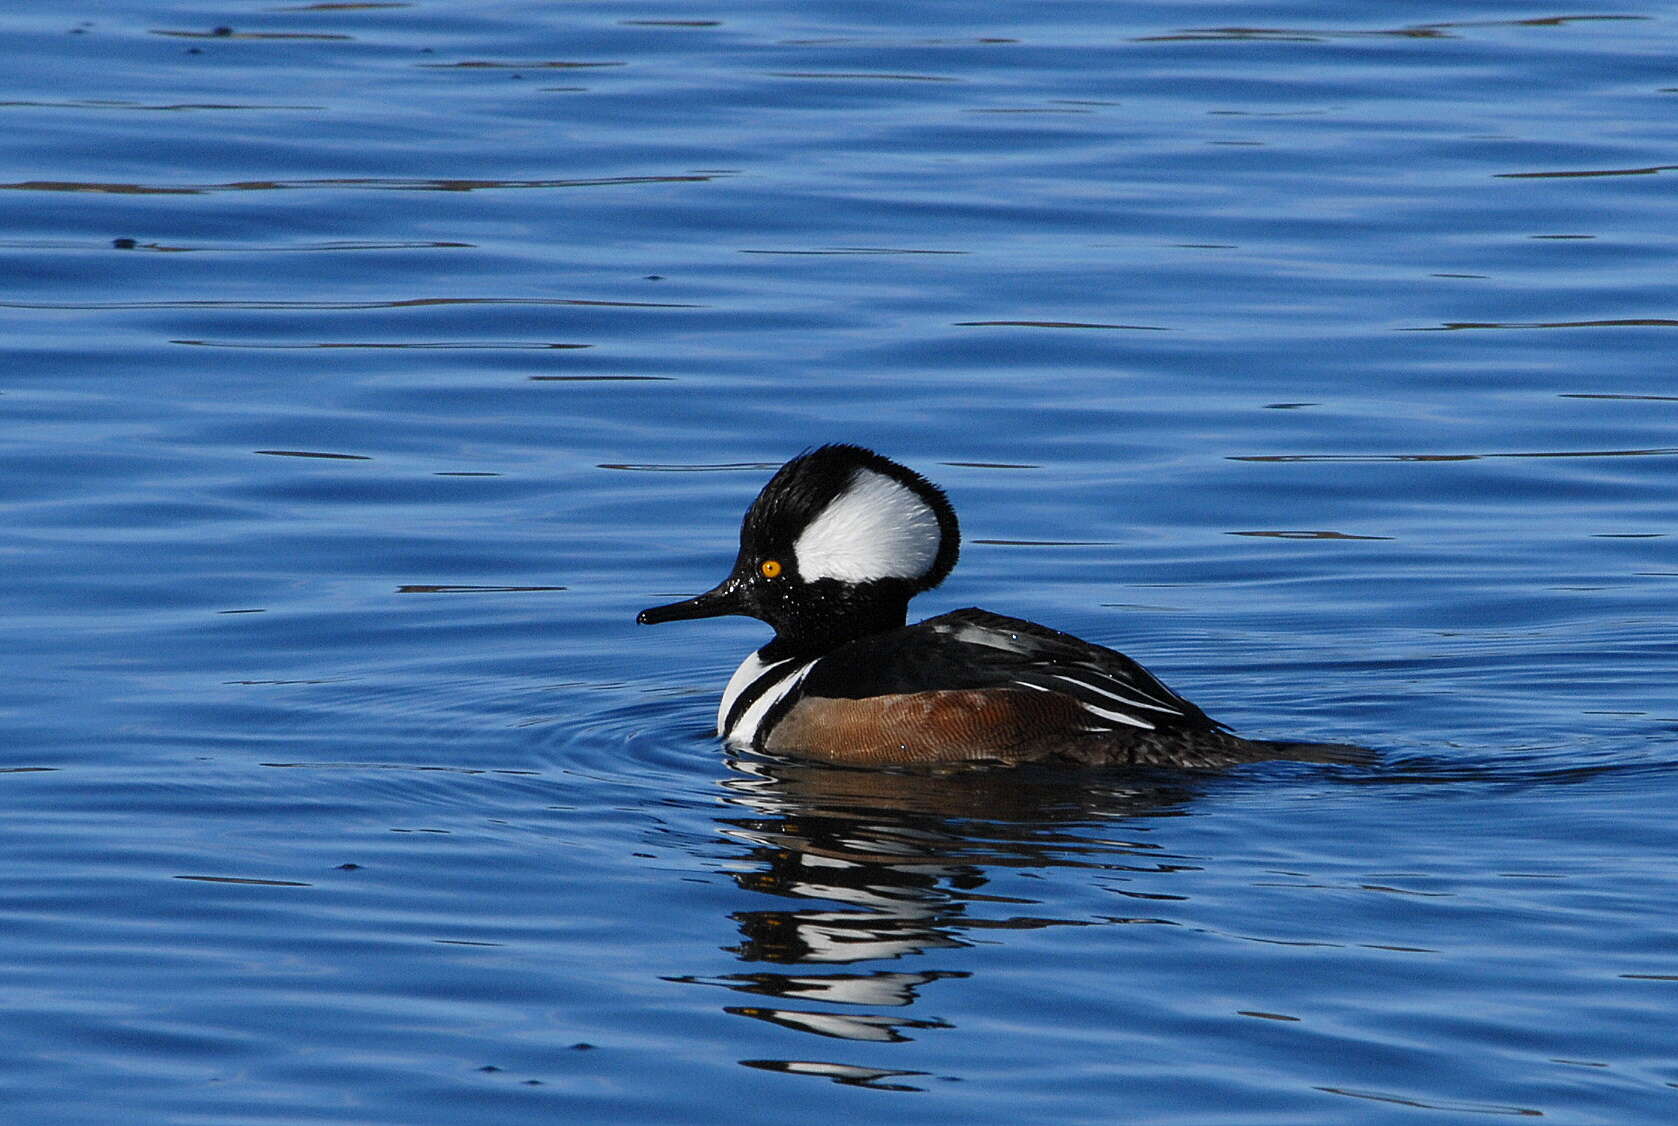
pixel 1345 754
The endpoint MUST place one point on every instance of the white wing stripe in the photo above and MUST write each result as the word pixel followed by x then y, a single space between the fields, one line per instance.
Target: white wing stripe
pixel 1116 717
pixel 1088 687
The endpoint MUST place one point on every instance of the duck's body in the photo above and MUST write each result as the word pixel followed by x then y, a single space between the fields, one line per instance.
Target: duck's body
pixel 831 552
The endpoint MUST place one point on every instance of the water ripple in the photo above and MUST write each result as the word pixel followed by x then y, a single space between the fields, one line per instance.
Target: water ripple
pixel 371 183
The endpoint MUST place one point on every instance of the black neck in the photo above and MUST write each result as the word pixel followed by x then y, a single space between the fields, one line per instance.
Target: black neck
pixel 827 614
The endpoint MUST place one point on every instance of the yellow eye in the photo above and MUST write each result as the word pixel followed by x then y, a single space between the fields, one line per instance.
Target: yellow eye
pixel 770 568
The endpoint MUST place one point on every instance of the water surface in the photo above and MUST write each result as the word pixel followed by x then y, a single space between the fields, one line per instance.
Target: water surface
pixel 366 367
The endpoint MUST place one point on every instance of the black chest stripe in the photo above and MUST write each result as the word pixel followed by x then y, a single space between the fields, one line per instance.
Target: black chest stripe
pixel 767 679
pixel 773 716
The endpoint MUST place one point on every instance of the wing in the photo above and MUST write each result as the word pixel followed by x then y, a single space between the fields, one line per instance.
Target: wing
pixel 975 649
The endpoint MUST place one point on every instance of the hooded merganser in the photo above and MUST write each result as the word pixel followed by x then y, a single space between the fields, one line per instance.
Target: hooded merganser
pixel 831 552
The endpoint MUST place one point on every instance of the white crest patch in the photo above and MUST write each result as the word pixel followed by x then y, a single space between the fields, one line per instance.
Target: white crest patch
pixel 878 528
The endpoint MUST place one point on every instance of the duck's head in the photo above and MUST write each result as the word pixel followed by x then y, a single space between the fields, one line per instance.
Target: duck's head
pixel 832 549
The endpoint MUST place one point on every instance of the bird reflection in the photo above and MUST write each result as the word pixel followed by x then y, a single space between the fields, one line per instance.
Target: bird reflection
pixel 868 866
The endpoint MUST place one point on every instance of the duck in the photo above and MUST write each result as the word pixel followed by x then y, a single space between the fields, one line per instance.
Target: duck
pixel 832 550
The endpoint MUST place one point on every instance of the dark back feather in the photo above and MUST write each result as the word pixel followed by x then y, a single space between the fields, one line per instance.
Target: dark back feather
pixel 974 648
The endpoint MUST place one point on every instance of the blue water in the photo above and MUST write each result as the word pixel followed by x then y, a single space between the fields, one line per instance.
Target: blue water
pixel 364 368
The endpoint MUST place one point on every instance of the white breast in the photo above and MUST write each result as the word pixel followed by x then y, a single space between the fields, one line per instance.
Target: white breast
pixel 760 685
